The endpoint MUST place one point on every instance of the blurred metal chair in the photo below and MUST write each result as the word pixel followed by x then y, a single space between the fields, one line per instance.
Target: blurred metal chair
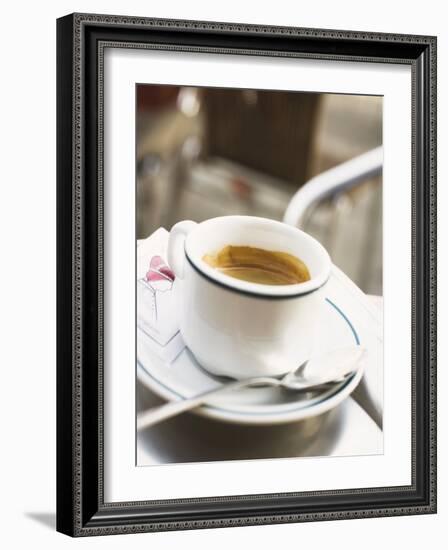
pixel 269 132
pixel 364 233
pixel 256 151
pixel 213 151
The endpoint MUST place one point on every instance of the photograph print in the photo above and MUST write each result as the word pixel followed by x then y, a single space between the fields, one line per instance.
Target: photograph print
pixel 259 274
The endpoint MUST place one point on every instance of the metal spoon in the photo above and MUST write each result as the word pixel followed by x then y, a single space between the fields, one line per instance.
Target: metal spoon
pixel 315 373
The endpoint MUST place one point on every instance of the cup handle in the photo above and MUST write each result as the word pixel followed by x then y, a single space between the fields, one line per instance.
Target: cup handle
pixel 176 246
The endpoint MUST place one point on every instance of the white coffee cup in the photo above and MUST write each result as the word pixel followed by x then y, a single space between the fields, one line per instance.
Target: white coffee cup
pixel 237 328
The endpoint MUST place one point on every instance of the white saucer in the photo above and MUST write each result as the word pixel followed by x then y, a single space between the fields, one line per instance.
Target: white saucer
pixel 348 321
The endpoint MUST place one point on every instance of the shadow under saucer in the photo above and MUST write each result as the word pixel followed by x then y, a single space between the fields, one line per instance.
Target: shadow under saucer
pixel 192 438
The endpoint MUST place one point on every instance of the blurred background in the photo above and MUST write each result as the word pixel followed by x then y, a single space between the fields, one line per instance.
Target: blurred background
pixel 206 152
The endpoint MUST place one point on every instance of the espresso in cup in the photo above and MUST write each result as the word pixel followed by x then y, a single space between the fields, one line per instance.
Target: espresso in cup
pixel 258 265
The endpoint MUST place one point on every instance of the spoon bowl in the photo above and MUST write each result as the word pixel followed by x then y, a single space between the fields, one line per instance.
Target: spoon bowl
pixel 324 369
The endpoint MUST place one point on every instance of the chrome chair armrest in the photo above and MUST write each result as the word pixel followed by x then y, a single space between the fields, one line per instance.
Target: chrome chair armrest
pixel 340 178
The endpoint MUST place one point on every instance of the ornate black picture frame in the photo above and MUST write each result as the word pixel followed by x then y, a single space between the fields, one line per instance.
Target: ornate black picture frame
pixel 81 39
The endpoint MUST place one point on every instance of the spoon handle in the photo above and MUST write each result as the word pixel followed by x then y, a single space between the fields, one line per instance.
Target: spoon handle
pixel 155 415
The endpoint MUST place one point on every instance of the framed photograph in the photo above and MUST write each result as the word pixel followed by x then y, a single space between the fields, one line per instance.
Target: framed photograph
pixel 246 274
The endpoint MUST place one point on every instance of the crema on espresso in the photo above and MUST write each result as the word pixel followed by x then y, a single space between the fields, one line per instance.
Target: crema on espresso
pixel 257 265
